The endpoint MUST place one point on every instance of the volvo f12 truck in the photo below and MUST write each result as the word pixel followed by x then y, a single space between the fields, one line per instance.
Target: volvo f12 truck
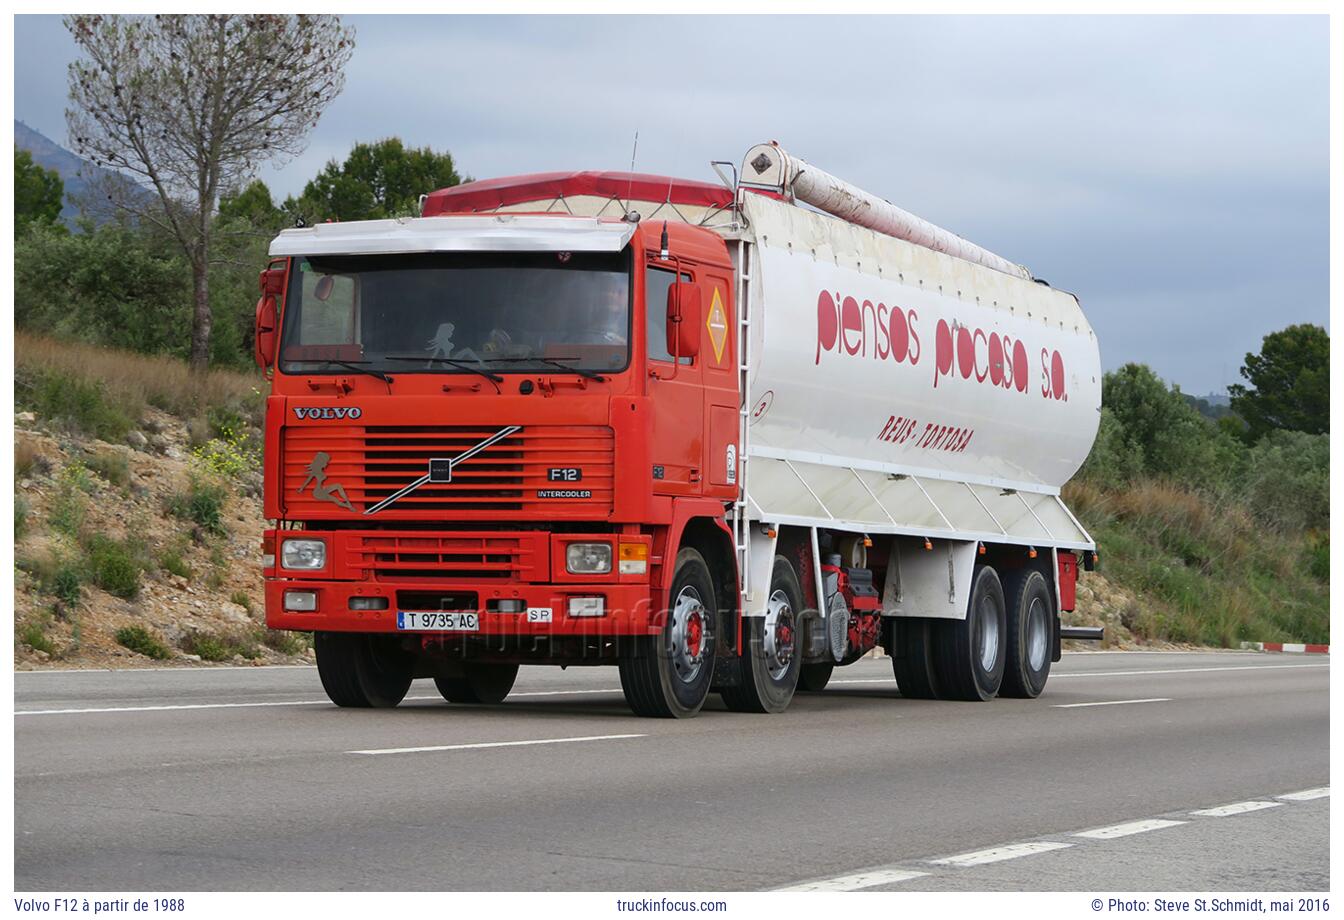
pixel 723 436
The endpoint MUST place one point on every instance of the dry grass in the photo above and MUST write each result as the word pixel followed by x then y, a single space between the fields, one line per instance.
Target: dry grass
pixel 134 380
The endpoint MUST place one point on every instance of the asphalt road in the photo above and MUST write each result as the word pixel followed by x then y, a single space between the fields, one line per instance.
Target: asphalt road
pixel 247 778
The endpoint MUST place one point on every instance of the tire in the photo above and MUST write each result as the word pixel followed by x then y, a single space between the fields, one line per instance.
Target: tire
pixel 668 676
pixel 912 659
pixel 770 662
pixel 1030 614
pixel 813 678
pixel 363 670
pixel 971 652
pixel 476 682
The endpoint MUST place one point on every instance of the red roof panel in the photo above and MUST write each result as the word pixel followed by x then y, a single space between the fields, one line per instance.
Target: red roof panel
pixel 492 194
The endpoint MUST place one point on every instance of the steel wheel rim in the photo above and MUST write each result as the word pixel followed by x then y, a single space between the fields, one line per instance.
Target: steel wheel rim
pixel 1036 635
pixel 689 636
pixel 780 635
pixel 989 634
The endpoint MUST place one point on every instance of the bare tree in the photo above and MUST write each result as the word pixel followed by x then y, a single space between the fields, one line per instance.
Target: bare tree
pixel 191 105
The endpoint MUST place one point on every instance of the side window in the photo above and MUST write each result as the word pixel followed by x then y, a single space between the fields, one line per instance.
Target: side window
pixel 329 310
pixel 657 282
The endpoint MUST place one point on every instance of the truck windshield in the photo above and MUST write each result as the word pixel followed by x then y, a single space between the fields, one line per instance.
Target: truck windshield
pixel 500 312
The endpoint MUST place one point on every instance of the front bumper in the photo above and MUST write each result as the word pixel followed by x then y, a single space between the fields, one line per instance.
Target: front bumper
pixel 627 608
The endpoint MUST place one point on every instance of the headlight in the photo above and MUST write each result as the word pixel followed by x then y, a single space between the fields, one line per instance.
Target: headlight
pixel 303 554
pixel 588 558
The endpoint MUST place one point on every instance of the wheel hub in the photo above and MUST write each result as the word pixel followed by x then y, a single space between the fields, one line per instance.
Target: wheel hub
pixel 1037 633
pixel 779 634
pixel 688 635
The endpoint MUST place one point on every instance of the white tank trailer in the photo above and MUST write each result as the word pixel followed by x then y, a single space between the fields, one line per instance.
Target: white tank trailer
pixel 905 381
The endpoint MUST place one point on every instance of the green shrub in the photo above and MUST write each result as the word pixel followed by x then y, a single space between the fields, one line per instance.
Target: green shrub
pixel 70 505
pixel 56 574
pixel 73 402
pixel 65 584
pixel 114 566
pixel 139 639
pixel 230 455
pixel 202 503
pixel 1287 481
pixel 220 647
pixel 171 561
pixel 33 635
pixel 112 466
pixel 242 600
pixel 21 509
pixel 1318 560
pixel 286 643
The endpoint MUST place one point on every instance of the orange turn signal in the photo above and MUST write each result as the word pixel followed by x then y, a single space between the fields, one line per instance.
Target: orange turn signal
pixel 634 558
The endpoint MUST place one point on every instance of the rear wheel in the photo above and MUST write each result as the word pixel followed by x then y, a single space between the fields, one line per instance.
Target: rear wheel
pixel 771 658
pixel 814 677
pixel 668 676
pixel 363 670
pixel 476 682
pixel 912 657
pixel 1030 610
pixel 971 652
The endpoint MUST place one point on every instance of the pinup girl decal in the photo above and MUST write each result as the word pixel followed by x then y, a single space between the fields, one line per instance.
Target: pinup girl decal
pixel 317 475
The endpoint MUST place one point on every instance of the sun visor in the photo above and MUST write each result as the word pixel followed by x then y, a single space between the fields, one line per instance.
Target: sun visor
pixel 497 233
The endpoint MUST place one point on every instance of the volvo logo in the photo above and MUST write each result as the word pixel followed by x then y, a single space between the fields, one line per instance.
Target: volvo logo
pixel 441 468
pixel 328 412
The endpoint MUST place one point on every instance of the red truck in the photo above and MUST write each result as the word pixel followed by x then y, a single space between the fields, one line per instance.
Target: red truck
pixel 698 431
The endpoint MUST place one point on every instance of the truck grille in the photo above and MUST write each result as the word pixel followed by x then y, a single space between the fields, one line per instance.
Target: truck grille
pixel 467 557
pixel 506 480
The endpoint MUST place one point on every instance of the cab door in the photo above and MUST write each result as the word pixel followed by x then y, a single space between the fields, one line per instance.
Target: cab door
pixel 677 448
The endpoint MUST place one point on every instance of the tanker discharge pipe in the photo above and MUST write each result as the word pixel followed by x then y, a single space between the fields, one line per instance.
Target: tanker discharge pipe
pixel 771 166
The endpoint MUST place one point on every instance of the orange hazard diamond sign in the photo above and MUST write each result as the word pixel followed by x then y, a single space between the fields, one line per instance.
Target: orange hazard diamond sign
pixel 717 321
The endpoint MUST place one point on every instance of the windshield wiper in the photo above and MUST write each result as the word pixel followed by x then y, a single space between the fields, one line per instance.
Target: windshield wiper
pixel 349 365
pixel 591 375
pixel 463 365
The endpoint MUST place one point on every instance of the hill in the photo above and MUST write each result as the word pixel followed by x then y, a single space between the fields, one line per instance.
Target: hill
pixel 79 175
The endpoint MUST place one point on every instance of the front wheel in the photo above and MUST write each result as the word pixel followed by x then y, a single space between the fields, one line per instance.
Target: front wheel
pixel 363 670
pixel 771 657
pixel 667 676
pixel 476 682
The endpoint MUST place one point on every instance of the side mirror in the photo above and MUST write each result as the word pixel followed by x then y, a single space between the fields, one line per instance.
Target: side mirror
pixel 272 280
pixel 684 315
pixel 272 285
pixel 263 343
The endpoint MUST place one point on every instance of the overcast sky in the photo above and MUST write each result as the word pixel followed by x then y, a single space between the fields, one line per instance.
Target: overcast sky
pixel 1170 170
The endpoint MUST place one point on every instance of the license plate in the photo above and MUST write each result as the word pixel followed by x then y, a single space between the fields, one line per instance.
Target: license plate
pixel 438 621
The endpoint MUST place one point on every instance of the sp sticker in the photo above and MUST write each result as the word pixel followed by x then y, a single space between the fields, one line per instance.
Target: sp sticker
pixel 731 458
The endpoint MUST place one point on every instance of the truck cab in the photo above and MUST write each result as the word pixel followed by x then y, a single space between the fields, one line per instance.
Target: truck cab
pixel 487 434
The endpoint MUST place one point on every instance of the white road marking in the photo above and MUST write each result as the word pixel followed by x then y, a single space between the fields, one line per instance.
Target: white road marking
pixel 1156 699
pixel 1060 675
pixel 858 880
pixel 1125 830
pixel 870 878
pixel 66 712
pixel 1238 667
pixel 494 744
pixel 999 854
pixel 576 692
pixel 1306 795
pixel 409 699
pixel 1235 808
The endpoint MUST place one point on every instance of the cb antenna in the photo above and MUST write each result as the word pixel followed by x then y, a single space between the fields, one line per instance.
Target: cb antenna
pixel 631 215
